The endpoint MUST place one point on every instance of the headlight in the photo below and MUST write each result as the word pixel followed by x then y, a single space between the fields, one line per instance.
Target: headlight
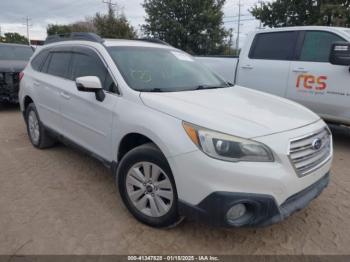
pixel 226 147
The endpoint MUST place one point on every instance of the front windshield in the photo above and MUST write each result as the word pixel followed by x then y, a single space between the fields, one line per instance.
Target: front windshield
pixel 18 53
pixel 162 70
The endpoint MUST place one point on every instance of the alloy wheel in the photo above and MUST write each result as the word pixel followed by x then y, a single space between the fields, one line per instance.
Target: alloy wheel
pixel 149 189
pixel 34 129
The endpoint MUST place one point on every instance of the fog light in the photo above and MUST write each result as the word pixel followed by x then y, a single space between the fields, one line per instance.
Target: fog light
pixel 236 212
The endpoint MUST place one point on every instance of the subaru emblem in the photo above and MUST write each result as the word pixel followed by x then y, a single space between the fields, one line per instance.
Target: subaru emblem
pixel 317 144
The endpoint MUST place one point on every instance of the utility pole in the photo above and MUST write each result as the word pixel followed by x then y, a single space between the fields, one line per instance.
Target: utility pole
pixel 111 6
pixel 27 24
pixel 261 5
pixel 239 24
pixel 109 3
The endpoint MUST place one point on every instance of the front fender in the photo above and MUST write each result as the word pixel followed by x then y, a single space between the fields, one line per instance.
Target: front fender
pixel 164 130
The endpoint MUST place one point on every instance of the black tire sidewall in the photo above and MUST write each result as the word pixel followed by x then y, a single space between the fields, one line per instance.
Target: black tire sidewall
pixel 147 153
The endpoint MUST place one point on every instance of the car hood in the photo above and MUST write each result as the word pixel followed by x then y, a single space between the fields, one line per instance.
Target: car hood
pixel 237 111
pixel 10 66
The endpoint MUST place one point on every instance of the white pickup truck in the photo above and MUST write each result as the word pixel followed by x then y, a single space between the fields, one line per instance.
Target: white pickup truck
pixel 309 65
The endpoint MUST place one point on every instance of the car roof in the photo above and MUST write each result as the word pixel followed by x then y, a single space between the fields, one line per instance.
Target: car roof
pixel 302 28
pixel 134 43
pixel 111 43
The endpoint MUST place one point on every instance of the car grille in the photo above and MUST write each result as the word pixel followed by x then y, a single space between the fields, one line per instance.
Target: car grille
pixel 310 152
pixel 9 86
pixel 9 78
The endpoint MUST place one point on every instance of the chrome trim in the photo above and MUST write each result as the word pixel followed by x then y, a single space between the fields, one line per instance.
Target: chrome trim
pixel 318 166
pixel 324 154
pixel 298 149
pixel 309 135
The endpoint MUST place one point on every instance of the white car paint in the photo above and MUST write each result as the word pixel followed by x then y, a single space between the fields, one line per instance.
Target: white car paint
pixel 205 106
pixel 100 127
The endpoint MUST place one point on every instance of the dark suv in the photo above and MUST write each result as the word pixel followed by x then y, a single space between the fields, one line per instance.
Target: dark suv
pixel 13 59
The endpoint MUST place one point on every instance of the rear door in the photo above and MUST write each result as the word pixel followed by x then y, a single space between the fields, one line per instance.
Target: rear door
pixel 49 83
pixel 85 120
pixel 266 65
pixel 315 82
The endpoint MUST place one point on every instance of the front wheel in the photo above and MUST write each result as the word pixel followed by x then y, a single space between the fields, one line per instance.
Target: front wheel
pixel 147 187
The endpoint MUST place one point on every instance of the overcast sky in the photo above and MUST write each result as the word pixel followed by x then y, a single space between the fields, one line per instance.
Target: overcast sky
pixel 13 14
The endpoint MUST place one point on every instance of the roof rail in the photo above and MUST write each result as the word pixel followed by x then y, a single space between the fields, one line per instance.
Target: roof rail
pixel 92 37
pixel 153 40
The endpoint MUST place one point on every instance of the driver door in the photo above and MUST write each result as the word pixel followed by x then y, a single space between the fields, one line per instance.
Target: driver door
pixel 317 84
pixel 85 120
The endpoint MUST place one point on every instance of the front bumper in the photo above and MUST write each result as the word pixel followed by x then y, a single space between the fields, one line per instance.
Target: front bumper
pixel 263 209
pixel 197 176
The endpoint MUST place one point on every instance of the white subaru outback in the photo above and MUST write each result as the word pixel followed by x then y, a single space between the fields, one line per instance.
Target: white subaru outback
pixel 180 140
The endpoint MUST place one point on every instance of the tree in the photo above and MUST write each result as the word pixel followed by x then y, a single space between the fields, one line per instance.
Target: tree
pixel 110 25
pixel 84 26
pixel 308 12
pixel 14 38
pixel 58 29
pixel 195 26
pixel 335 13
pixel 81 26
pixel 287 13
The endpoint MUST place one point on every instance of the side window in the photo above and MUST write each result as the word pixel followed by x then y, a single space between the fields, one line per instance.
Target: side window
pixel 317 46
pixel 59 64
pixel 89 64
pixel 45 66
pixel 273 46
pixel 39 59
pixel 109 84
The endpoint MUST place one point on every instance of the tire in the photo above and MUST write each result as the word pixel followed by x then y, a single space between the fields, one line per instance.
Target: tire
pixel 38 135
pixel 152 202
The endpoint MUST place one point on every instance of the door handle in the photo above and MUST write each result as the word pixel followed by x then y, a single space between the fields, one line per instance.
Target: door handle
pixel 300 70
pixel 36 84
pixel 65 95
pixel 249 67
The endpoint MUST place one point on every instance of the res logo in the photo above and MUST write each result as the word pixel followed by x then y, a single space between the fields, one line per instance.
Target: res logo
pixel 311 82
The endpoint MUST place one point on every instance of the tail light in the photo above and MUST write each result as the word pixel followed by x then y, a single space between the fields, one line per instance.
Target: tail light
pixel 21 74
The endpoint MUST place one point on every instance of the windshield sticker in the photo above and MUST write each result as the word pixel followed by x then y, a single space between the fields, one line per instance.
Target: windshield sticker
pixel 182 56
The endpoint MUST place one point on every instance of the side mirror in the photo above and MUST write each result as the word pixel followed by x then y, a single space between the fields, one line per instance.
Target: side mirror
pixel 340 54
pixel 91 84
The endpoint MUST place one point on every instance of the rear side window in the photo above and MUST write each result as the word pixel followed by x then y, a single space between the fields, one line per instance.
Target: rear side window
pixel 59 64
pixel 45 66
pixel 15 52
pixel 273 46
pixel 39 59
pixel 317 46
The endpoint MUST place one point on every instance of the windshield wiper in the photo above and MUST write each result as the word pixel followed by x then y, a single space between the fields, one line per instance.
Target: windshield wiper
pixel 203 87
pixel 153 90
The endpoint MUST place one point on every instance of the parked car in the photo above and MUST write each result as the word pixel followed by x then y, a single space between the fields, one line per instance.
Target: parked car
pixel 309 65
pixel 181 142
pixel 13 59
